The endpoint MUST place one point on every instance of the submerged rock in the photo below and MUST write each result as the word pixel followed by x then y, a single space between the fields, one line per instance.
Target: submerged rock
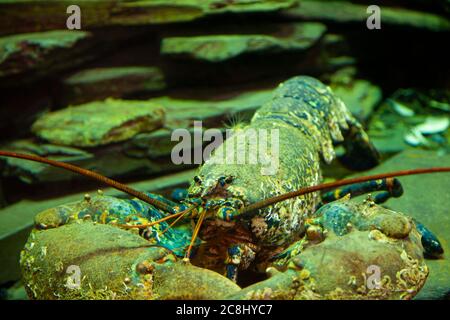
pixel 116 82
pixel 17 220
pixel 41 52
pixel 99 123
pixel 426 199
pixel 144 153
pixel 411 119
pixel 47 14
pixel 216 48
pixel 345 11
pixel 359 95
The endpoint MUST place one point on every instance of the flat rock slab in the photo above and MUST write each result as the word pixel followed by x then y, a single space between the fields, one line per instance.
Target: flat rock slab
pixel 144 153
pixel 38 15
pixel 212 111
pixel 218 48
pixel 99 123
pixel 16 221
pixel 115 82
pixel 38 51
pixel 360 96
pixel 426 198
pixel 344 12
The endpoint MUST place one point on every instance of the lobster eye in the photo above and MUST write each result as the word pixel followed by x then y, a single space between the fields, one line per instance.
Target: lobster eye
pixel 228 179
pixel 197 179
pixel 225 180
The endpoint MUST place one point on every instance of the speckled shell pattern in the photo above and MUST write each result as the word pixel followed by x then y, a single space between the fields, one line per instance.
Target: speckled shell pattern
pixel 309 120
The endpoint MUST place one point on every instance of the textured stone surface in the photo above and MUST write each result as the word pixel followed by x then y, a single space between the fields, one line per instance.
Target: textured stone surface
pixel 426 198
pixel 116 82
pixel 216 48
pixel 46 14
pixel 39 52
pixel 344 11
pixel 99 123
pixel 360 96
pixel 17 220
pixel 401 113
pixel 144 153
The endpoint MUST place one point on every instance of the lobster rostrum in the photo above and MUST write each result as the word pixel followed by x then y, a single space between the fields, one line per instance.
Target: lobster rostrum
pixel 277 224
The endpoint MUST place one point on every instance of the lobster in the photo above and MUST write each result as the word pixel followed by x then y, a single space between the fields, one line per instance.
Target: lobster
pixel 233 219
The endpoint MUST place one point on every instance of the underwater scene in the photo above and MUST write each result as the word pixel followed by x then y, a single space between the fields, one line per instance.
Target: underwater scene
pixel 224 150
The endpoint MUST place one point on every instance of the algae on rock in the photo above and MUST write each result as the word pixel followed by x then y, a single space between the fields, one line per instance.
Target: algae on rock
pixel 99 123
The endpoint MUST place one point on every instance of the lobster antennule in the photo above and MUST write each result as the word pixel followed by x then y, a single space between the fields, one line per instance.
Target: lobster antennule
pixel 93 175
pixel 270 201
pixel 177 215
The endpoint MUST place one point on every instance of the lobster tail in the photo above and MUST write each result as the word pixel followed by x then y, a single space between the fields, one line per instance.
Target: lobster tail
pixel 310 106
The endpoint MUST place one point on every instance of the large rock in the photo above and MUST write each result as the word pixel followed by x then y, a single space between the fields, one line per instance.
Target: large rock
pixel 344 12
pixel 144 153
pixel 99 123
pixel 359 95
pixel 217 48
pixel 426 198
pixel 116 82
pixel 16 221
pixel 38 15
pixel 42 52
pixel 25 58
pixel 395 125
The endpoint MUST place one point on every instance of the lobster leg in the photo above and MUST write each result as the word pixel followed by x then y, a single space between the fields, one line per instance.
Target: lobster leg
pixel 240 256
pixel 360 154
pixel 391 187
pixel 233 261
pixel 431 245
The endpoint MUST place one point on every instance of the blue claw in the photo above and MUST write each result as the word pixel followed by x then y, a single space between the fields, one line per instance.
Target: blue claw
pixel 431 245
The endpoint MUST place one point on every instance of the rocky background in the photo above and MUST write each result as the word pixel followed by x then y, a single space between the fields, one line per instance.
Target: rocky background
pixel 106 97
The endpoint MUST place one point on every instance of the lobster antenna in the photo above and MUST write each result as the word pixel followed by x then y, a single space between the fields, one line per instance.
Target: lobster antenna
pixel 270 201
pixel 144 226
pixel 194 235
pixel 93 175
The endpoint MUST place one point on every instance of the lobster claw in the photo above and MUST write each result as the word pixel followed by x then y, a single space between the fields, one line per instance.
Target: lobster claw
pixel 85 260
pixel 380 256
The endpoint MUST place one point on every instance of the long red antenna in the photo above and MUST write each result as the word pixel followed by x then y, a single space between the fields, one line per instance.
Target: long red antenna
pixel 93 175
pixel 335 184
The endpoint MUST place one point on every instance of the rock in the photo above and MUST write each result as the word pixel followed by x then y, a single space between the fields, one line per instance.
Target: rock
pixel 99 123
pixel 43 52
pixel 143 154
pixel 107 255
pixel 110 161
pixel 116 82
pixel 360 96
pixel 217 48
pixel 212 111
pixel 391 126
pixel 38 15
pixel 17 220
pixel 344 12
pixel 426 198
pixel 181 113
